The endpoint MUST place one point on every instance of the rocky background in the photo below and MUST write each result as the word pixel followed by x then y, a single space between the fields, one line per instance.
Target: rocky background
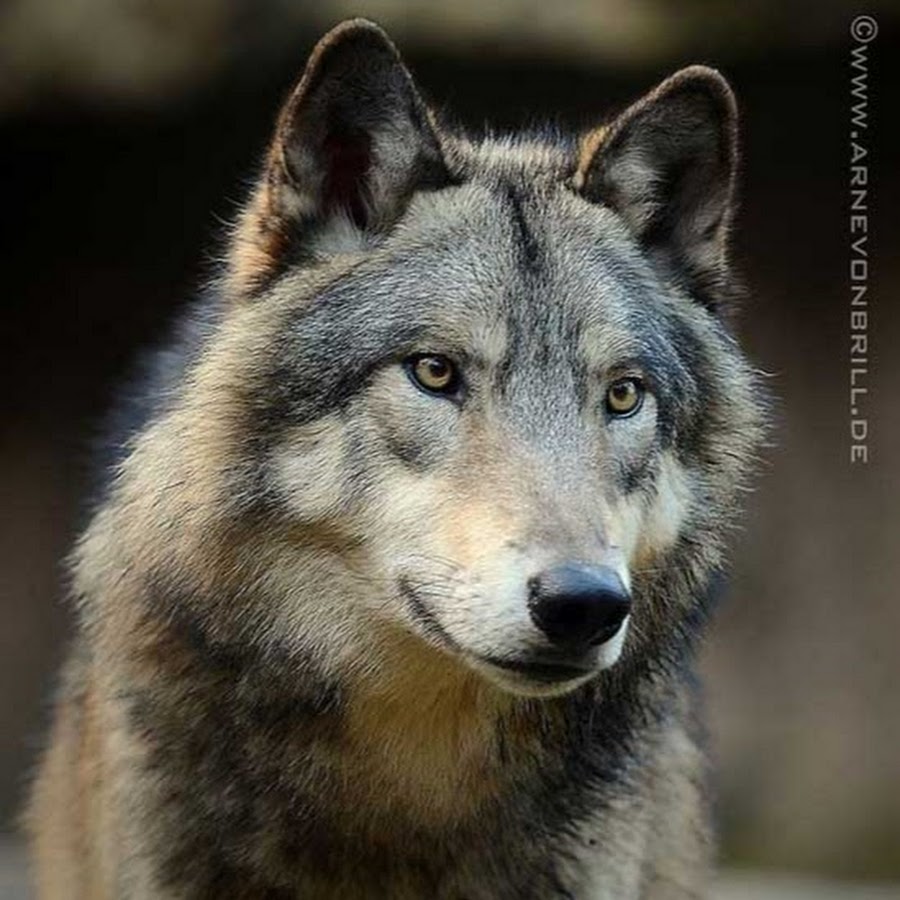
pixel 127 130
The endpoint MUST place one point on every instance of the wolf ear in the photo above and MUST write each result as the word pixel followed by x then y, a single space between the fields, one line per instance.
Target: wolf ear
pixel 352 143
pixel 667 166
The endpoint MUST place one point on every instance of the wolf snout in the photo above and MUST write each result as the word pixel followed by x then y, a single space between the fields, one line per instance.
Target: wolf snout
pixel 578 605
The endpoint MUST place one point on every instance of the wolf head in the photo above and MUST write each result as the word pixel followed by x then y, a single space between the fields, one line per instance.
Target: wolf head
pixel 469 400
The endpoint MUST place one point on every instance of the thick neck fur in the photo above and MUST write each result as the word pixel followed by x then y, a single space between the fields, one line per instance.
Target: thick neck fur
pixel 256 763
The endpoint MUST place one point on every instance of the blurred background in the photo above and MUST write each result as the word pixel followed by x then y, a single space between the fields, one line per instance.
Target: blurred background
pixel 128 129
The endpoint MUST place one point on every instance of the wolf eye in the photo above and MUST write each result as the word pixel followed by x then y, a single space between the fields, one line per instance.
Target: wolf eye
pixel 624 397
pixel 433 373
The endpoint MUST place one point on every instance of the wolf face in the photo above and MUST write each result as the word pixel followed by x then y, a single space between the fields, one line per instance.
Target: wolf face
pixel 449 406
pixel 474 400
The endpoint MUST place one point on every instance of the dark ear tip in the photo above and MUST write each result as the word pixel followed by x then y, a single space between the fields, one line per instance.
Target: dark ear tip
pixel 703 81
pixel 356 31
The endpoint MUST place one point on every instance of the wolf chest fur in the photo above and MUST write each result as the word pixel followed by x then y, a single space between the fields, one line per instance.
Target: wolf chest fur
pixel 394 590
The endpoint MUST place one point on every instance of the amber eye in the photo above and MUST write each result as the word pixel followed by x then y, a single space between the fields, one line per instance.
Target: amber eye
pixel 433 373
pixel 624 397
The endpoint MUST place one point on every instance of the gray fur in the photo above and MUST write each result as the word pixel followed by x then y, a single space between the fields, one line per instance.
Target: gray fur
pixel 300 575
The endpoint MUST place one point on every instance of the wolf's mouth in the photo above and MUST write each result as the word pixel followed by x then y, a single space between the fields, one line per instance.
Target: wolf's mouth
pixel 541 670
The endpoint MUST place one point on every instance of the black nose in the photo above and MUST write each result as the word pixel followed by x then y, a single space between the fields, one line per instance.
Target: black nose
pixel 578 604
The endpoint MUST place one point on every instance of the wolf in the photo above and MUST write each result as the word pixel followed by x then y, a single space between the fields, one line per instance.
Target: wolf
pixel 394 590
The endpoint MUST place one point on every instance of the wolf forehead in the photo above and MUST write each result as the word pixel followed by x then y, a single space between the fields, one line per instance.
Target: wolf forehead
pixel 509 272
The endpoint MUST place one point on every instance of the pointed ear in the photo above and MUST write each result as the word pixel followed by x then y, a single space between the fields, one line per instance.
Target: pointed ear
pixel 353 142
pixel 667 166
